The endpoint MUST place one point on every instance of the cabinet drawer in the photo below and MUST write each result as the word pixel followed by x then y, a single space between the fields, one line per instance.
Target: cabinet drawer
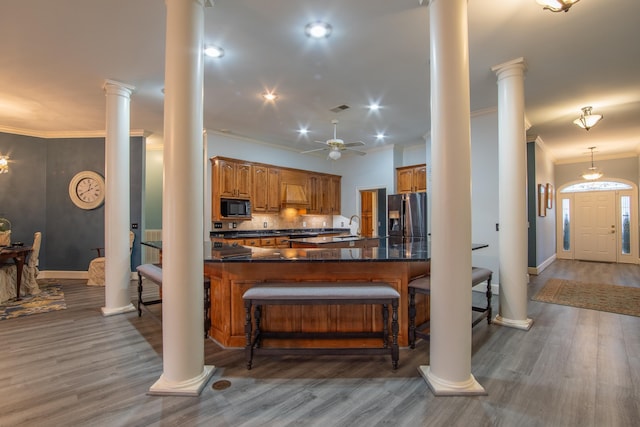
pixel 268 241
pixel 252 242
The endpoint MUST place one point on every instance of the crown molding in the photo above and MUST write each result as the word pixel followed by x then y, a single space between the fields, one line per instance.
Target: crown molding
pixel 68 134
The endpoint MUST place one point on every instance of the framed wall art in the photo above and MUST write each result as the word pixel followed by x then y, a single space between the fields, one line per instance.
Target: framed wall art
pixel 542 200
pixel 550 196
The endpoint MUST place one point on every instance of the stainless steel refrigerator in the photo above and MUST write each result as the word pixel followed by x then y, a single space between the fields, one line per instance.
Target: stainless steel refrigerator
pixel 407 215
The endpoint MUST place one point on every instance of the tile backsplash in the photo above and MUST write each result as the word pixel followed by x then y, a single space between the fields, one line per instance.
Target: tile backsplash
pixel 284 220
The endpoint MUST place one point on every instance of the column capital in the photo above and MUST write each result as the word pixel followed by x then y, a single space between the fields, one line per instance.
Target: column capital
pixel 515 66
pixel 112 87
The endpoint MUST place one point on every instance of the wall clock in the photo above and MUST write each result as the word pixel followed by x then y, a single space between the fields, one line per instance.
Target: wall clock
pixel 86 190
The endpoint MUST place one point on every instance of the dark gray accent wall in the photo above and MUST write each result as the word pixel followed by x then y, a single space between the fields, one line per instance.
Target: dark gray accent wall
pixel 36 198
pixel 532 206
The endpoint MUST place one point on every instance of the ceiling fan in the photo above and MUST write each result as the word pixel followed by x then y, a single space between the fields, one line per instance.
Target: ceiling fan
pixel 336 146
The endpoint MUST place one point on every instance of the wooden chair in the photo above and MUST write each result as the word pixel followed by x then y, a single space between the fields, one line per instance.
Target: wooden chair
pixel 29 284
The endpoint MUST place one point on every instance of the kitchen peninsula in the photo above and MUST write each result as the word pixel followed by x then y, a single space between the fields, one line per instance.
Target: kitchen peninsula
pixel 234 269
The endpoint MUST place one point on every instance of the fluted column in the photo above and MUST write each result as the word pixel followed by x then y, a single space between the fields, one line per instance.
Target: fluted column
pixel 450 350
pixel 512 186
pixel 184 372
pixel 117 205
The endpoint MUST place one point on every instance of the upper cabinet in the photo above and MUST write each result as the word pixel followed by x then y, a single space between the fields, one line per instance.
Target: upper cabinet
pixel 232 178
pixel 265 196
pixel 269 188
pixel 411 179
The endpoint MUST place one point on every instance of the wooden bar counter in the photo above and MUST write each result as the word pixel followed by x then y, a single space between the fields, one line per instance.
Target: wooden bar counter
pixel 234 269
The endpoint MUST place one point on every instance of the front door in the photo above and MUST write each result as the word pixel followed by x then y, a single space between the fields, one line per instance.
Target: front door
pixel 595 226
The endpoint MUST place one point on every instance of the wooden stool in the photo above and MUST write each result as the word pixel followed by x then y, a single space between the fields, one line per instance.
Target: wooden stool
pixel 422 285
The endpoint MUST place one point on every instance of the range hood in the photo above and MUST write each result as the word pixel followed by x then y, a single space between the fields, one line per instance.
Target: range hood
pixel 294 196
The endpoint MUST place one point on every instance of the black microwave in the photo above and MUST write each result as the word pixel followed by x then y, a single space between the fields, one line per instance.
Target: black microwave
pixel 235 208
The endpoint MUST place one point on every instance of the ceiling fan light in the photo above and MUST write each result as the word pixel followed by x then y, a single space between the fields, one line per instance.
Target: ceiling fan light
pixel 587 120
pixel 335 154
pixel 214 52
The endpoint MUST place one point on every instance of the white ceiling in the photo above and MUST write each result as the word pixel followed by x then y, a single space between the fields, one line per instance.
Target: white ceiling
pixel 56 55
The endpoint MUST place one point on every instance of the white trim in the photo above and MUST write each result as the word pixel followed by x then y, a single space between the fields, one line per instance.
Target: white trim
pixel 540 268
pixel 67 133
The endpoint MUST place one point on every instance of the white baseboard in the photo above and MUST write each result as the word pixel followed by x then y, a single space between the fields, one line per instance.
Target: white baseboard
pixel 540 268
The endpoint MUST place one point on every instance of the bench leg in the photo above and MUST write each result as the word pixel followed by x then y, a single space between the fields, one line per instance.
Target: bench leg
pixel 385 325
pixel 207 307
pixel 139 294
pixel 412 318
pixel 395 352
pixel 248 349
pixel 257 316
pixel 489 301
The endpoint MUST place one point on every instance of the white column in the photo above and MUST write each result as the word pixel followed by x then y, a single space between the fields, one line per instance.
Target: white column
pixel 450 350
pixel 117 206
pixel 512 187
pixel 184 372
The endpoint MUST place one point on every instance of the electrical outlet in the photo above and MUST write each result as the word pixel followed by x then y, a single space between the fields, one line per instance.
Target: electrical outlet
pixel 265 225
pixel 230 225
pixel 342 224
pixel 304 223
pixel 234 224
pixel 134 226
pixel 324 223
pixel 217 225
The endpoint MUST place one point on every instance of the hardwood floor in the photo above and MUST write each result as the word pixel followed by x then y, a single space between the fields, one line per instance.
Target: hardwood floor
pixel 77 368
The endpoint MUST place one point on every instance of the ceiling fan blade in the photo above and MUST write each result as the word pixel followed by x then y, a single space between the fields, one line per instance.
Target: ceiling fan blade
pixel 354 144
pixel 359 153
pixel 321 142
pixel 313 151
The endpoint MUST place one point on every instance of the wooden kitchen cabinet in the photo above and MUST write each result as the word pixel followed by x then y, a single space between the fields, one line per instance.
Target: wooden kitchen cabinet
pixel 324 194
pixel 411 179
pixel 233 178
pixel 265 196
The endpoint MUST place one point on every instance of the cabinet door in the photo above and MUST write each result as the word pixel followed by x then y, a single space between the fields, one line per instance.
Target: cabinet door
pixel 405 180
pixel 420 178
pixel 226 178
pixel 334 195
pixel 259 195
pixel 243 180
pixel 314 192
pixel 273 190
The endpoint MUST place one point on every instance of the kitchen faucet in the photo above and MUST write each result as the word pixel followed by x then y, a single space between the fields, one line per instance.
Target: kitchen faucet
pixel 351 220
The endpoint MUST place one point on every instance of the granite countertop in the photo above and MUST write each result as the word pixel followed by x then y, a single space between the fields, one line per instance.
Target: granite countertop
pixel 289 232
pixel 389 250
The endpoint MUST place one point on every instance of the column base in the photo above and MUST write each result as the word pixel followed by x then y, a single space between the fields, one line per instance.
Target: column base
pixel 192 387
pixel 525 325
pixel 107 311
pixel 441 387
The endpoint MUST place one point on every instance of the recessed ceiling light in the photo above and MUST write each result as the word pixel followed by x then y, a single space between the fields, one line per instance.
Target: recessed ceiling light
pixel 380 135
pixel 303 131
pixel 318 30
pixel 270 96
pixel 214 52
pixel 374 106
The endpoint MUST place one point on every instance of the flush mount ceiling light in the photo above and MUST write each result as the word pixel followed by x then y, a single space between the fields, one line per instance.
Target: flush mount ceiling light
pixel 557 5
pixel 270 96
pixel 587 120
pixel 4 164
pixel 593 172
pixel 317 30
pixel 214 51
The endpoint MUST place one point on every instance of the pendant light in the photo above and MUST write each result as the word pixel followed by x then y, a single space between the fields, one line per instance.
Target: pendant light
pixel 557 5
pixel 587 120
pixel 593 172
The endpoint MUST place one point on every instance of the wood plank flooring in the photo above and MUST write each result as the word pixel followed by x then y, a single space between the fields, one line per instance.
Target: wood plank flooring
pixel 575 367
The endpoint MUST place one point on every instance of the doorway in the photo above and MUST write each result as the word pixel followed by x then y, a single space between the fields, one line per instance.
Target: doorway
pixel 597 221
pixel 373 212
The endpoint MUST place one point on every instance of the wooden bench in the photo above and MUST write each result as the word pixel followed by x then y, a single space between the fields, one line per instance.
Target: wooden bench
pixel 321 293
pixel 422 285
pixel 153 273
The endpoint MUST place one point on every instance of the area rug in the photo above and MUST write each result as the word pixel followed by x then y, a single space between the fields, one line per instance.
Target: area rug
pixel 51 298
pixel 594 296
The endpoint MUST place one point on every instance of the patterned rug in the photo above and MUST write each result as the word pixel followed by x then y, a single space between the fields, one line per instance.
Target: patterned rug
pixel 50 299
pixel 594 296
